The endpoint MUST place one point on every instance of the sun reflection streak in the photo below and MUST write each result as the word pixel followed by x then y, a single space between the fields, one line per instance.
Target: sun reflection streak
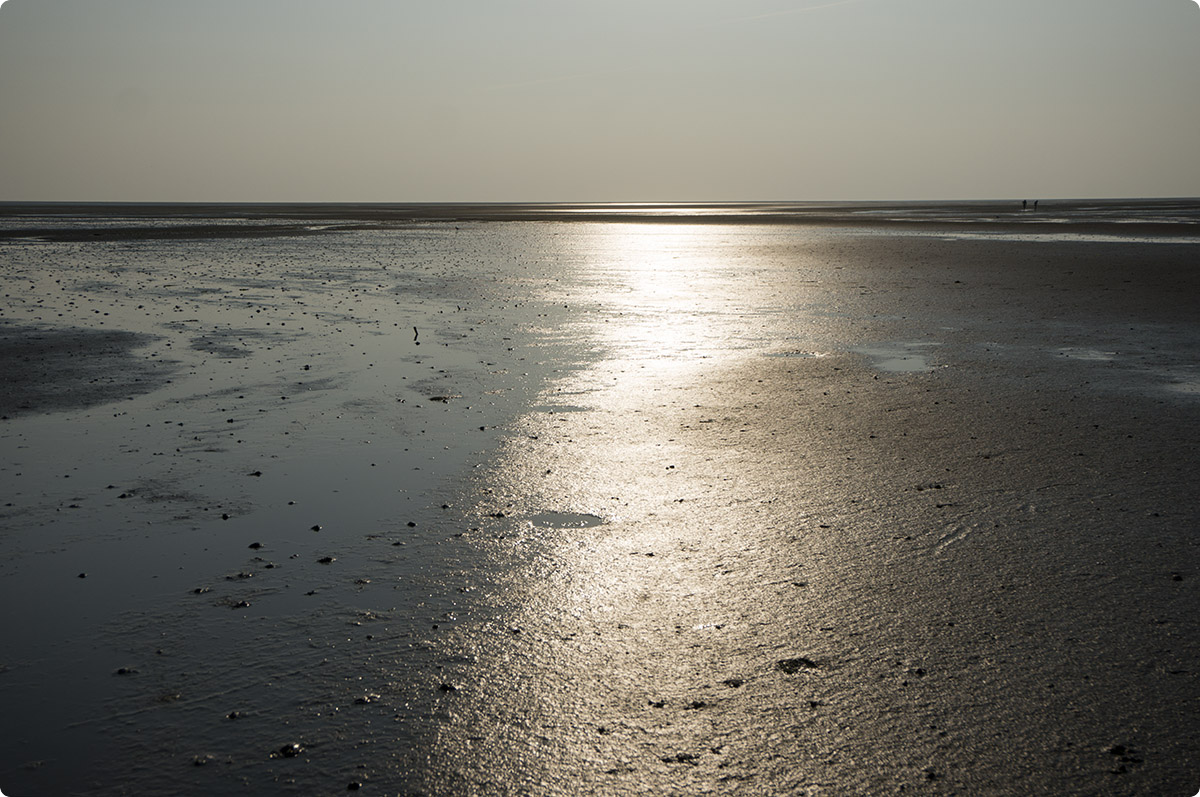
pixel 665 292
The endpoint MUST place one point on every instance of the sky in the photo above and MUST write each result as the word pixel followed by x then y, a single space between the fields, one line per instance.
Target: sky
pixel 619 100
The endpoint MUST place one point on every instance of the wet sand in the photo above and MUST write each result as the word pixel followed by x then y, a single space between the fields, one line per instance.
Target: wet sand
pixel 749 512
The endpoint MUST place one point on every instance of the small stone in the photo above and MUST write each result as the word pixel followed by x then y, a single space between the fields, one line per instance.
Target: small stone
pixel 681 758
pixel 290 750
pixel 792 666
pixel 448 688
pixel 125 671
pixel 316 528
pixel 83 575
pixel 733 683
pixel 325 560
pixel 255 545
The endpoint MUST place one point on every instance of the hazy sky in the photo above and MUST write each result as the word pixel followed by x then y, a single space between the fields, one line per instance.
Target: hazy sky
pixel 619 100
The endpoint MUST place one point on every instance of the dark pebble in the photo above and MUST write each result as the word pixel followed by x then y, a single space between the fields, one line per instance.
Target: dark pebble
pixel 290 750
pixel 792 666
pixel 325 560
pixel 448 688
pixel 733 683
pixel 316 528
pixel 682 758
pixel 83 575
pixel 255 545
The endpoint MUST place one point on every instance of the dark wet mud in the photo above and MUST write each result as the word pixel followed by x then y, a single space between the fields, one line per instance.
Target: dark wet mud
pixel 47 369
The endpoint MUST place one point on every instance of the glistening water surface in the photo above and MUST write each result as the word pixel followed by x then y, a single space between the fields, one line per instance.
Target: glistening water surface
pixel 560 507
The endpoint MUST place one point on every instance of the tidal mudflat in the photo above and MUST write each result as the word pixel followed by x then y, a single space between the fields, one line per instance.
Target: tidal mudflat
pixel 598 501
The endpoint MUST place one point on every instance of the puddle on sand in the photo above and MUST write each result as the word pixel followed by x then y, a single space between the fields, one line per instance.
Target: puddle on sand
pixel 1091 355
pixel 900 357
pixel 1191 388
pixel 565 520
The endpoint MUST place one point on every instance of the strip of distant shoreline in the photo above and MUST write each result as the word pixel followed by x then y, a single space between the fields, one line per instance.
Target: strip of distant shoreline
pixel 132 221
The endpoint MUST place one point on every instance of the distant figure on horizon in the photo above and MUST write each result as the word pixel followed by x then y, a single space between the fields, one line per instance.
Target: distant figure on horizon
pixel 1035 204
pixel 1024 204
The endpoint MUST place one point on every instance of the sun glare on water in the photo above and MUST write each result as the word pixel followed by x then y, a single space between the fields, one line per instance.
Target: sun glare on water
pixel 665 293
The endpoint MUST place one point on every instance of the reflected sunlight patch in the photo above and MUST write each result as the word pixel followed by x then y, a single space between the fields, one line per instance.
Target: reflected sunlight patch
pixel 665 290
pixel 815 355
